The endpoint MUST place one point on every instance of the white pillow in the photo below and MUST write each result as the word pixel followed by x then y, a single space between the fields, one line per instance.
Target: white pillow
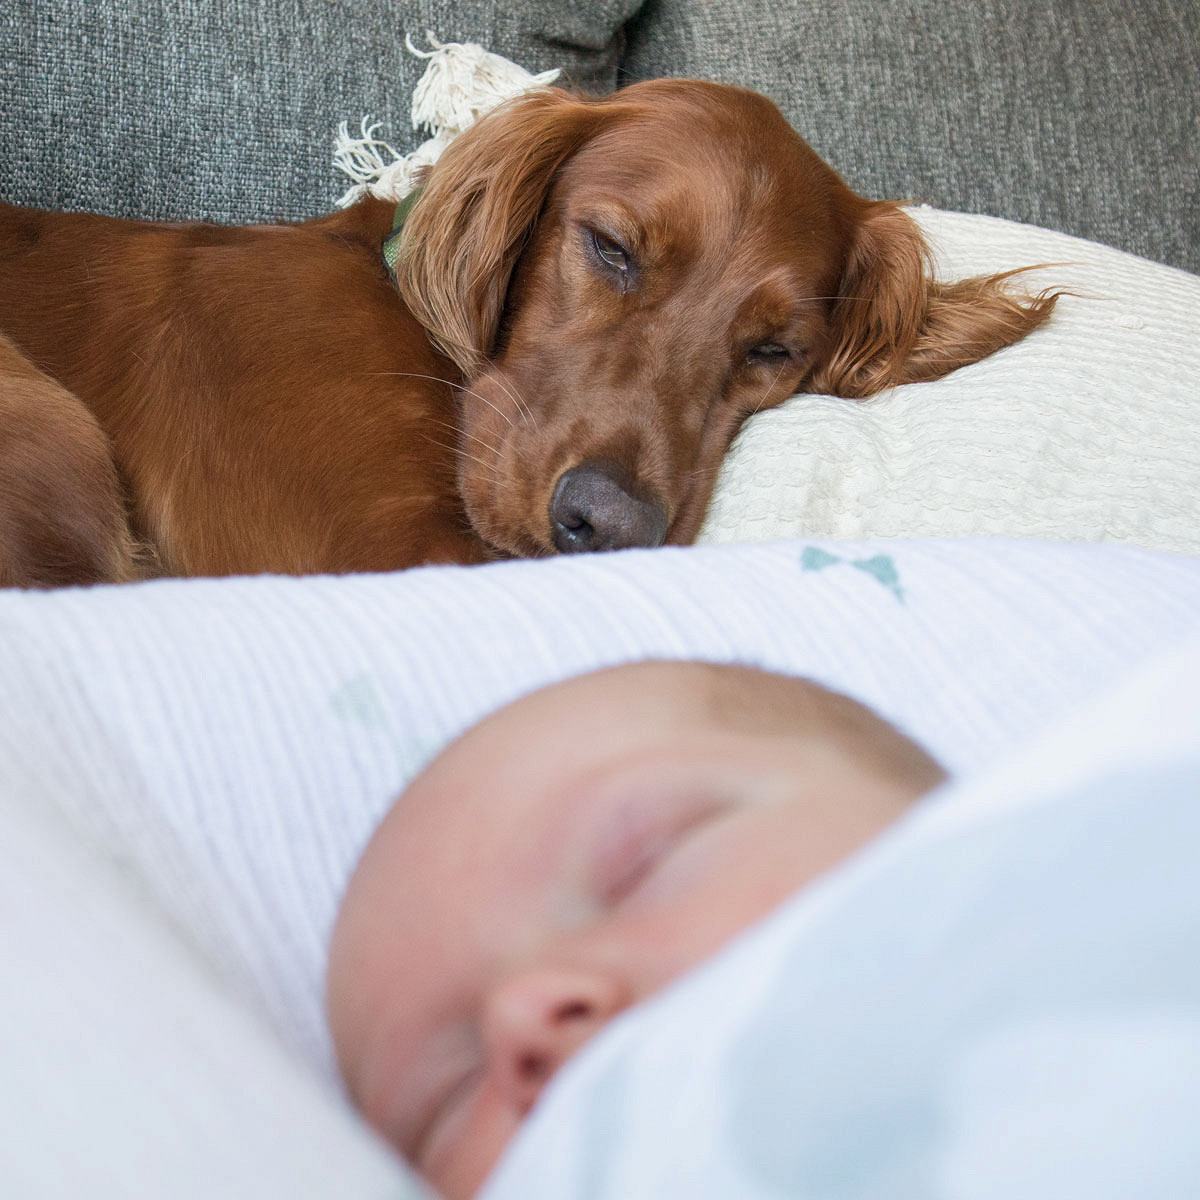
pixel 234 742
pixel 1088 430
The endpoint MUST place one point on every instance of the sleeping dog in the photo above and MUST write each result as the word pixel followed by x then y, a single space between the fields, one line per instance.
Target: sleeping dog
pixel 587 299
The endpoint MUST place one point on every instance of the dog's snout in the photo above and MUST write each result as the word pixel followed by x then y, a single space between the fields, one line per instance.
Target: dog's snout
pixel 591 510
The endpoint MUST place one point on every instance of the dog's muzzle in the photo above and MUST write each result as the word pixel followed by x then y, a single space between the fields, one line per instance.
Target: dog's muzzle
pixel 591 510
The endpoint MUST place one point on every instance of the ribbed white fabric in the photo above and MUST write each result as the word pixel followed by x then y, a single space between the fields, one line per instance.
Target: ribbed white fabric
pixel 232 743
pixel 128 1070
pixel 1088 430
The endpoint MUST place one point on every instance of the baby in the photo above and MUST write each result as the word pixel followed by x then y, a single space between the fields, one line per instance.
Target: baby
pixel 568 857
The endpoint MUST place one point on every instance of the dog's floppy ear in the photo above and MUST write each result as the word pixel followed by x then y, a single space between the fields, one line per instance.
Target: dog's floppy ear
pixel 475 212
pixel 893 323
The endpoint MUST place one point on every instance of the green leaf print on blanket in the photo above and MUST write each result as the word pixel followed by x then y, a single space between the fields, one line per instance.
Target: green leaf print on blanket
pixel 358 701
pixel 879 566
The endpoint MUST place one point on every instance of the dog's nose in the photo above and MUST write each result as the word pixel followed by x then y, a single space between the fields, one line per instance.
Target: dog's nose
pixel 590 510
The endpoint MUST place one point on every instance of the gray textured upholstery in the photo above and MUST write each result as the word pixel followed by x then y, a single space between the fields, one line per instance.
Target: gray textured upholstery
pixel 1080 115
pixel 226 109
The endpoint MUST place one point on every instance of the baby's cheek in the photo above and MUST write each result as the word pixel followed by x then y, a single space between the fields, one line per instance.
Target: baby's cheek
pixel 468 1143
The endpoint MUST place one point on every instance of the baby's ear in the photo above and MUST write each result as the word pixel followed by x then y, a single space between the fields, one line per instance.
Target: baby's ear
pixel 473 217
pixel 894 323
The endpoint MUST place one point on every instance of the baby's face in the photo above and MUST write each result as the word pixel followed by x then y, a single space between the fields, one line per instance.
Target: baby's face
pixel 561 861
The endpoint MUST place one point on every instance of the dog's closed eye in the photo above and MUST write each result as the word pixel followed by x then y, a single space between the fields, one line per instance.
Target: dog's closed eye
pixel 612 258
pixel 769 354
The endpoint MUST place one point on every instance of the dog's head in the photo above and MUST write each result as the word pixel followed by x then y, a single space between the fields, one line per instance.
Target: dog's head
pixel 623 281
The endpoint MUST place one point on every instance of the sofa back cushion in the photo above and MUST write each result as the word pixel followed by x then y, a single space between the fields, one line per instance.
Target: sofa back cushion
pixel 1064 113
pixel 227 109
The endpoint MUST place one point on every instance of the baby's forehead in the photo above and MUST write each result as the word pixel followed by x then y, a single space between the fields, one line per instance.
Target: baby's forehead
pixel 509 776
pixel 590 718
pixel 521 761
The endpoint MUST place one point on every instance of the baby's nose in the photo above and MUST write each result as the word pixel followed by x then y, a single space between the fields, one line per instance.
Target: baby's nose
pixel 533 1021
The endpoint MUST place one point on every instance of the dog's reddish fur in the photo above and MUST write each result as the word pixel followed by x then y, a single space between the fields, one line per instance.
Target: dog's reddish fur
pixel 62 519
pixel 273 402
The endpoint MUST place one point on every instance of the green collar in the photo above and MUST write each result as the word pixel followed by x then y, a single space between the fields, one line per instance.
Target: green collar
pixel 391 243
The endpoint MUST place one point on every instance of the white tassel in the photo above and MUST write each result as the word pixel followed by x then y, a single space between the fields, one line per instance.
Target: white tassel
pixel 462 82
pixel 363 159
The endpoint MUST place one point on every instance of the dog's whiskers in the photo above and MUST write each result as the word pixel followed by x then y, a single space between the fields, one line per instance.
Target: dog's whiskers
pixel 522 404
pixel 770 388
pixel 495 450
pixel 450 383
pixel 461 453
pixel 514 395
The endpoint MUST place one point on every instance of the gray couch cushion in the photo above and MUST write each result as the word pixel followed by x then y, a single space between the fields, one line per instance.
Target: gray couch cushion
pixel 226 109
pixel 1074 114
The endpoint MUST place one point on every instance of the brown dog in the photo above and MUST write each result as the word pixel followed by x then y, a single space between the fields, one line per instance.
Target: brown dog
pixel 590 297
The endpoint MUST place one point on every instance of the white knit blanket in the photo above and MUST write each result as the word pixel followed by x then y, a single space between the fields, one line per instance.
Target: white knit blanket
pixel 1087 430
